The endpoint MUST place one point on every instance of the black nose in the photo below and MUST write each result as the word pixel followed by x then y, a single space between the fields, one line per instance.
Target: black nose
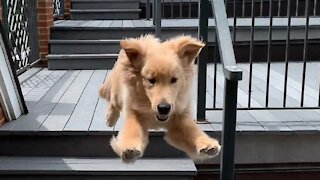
pixel 164 108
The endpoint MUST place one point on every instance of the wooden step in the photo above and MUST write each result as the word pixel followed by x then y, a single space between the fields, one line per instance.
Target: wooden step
pixel 103 4
pixel 84 46
pixel 81 61
pixel 98 33
pixel 103 14
pixel 14 168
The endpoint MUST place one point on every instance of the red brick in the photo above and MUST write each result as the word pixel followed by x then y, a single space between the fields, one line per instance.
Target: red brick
pixel 44 3
pixel 43 56
pixel 44 43
pixel 44 49
pixel 44 36
pixel 43 30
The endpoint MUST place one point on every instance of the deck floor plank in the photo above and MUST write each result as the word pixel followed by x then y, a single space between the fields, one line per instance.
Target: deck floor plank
pixel 81 117
pixel 31 83
pixel 128 23
pixel 241 22
pixel 42 88
pixel 95 23
pixel 105 24
pixel 38 111
pixel 98 123
pixel 61 113
pixel 117 23
pixel 138 23
pixel 293 85
pixel 149 23
pixel 52 99
pixel 67 102
pixel 29 74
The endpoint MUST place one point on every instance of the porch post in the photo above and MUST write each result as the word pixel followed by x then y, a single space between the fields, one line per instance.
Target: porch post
pixel 45 21
pixel 202 60
pixel 67 7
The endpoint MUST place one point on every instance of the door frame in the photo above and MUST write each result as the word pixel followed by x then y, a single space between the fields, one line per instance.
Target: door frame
pixel 11 97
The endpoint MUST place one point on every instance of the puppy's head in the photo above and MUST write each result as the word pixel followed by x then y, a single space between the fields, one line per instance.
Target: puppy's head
pixel 164 68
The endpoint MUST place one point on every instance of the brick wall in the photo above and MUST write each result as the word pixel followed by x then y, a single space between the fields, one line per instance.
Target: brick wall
pixel 45 21
pixel 67 7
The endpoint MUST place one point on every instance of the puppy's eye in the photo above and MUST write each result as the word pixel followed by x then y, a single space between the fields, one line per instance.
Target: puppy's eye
pixel 152 81
pixel 174 80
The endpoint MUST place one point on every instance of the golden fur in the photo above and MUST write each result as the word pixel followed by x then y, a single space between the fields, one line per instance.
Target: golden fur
pixel 149 72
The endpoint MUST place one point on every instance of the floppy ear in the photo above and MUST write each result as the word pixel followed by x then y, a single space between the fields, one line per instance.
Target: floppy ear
pixel 188 49
pixel 133 50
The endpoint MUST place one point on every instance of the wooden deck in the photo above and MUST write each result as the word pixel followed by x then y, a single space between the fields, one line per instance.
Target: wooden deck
pixel 172 23
pixel 67 102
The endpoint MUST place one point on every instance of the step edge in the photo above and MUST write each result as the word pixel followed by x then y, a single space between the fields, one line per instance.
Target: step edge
pixel 104 10
pixel 90 41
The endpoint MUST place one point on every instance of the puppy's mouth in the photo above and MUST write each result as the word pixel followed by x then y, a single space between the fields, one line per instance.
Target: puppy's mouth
pixel 162 118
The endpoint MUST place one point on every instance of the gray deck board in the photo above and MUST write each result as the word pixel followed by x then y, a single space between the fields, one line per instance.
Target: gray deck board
pixel 149 23
pixel 138 23
pixel 67 102
pixel 128 23
pixel 105 24
pixel 98 123
pixel 241 22
pixel 60 115
pixel 42 88
pixel 112 166
pixel 116 23
pixel 39 110
pixel 66 24
pixel 294 87
pixel 81 117
pixel 28 74
pixel 95 23
pixel 52 99
pixel 295 71
pixel 34 81
pixel 275 93
pixel 83 23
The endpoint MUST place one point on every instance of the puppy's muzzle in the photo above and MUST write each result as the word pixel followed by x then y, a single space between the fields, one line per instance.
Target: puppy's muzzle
pixel 163 111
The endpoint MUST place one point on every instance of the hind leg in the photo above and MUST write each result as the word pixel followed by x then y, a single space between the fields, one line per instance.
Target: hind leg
pixel 131 140
pixel 113 114
pixel 188 137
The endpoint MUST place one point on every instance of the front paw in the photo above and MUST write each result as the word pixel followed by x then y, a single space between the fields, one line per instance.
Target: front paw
pixel 130 155
pixel 207 147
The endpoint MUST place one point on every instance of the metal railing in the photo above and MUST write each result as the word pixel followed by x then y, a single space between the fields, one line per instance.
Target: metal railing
pixel 261 7
pixel 20 26
pixel 172 9
pixel 291 37
pixel 186 9
pixel 232 74
pixel 58 8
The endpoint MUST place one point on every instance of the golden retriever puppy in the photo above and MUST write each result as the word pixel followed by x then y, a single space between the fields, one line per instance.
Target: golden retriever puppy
pixel 150 83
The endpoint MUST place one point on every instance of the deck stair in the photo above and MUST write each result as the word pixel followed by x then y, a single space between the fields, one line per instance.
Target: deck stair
pixel 104 9
pixel 87 52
